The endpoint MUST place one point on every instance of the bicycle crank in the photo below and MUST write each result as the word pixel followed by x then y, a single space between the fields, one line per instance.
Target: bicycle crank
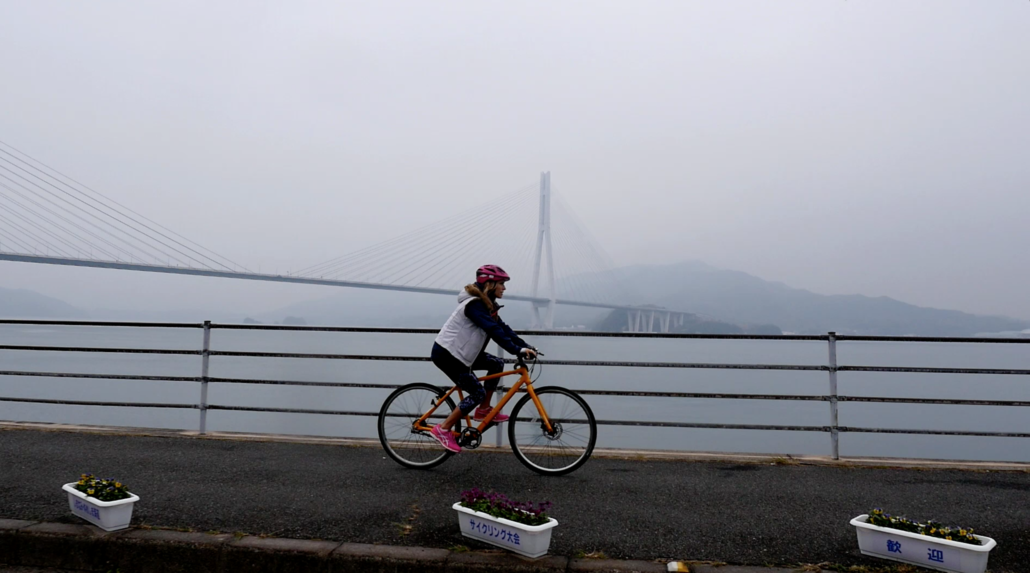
pixel 470 438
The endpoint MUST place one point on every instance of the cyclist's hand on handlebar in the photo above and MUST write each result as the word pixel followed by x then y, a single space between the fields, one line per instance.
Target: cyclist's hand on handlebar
pixel 528 353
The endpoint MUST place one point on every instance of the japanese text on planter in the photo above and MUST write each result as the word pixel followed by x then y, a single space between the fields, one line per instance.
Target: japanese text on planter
pixel 491 531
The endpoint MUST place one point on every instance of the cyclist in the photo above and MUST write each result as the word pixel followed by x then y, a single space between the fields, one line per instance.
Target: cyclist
pixel 460 348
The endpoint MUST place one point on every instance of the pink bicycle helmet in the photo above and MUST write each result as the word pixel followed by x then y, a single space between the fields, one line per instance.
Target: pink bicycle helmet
pixel 491 273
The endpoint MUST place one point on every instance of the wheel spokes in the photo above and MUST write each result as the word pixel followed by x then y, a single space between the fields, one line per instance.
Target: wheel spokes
pixel 398 427
pixel 569 440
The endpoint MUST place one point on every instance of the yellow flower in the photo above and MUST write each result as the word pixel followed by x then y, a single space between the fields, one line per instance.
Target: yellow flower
pixel 117 484
pixel 948 538
pixel 961 531
pixel 89 491
pixel 82 482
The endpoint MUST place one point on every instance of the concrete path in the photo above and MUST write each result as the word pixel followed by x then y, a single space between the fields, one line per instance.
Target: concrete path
pixel 735 513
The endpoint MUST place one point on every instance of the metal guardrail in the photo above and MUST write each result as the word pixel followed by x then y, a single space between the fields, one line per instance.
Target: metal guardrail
pixel 831 368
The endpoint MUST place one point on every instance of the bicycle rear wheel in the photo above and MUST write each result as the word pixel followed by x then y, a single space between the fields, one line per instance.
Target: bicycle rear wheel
pixel 408 446
pixel 570 442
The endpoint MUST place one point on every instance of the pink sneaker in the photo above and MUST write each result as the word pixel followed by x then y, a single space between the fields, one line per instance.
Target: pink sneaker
pixel 446 439
pixel 482 411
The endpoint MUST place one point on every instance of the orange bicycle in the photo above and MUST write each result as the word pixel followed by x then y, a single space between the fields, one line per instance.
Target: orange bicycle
pixel 551 430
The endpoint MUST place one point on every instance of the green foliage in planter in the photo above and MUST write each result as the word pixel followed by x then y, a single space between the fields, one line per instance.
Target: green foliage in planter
pixel 102 489
pixel 930 528
pixel 498 505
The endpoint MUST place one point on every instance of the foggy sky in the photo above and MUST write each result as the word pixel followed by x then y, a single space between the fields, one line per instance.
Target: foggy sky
pixel 851 146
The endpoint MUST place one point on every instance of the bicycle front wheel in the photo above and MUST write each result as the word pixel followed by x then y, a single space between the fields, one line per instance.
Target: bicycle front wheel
pixel 567 445
pixel 407 445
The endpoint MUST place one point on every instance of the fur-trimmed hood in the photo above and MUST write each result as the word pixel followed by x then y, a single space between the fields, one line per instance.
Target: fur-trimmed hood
pixel 472 291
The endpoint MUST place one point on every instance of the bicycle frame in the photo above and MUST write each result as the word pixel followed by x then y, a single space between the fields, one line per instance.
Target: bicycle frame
pixel 523 373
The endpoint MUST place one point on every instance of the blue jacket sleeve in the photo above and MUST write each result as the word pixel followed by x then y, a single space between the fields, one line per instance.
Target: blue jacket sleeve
pixel 512 335
pixel 494 327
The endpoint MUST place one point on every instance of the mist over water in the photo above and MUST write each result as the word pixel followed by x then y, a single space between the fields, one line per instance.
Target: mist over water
pixel 715 411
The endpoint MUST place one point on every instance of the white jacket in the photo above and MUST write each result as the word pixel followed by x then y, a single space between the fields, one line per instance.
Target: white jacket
pixel 460 336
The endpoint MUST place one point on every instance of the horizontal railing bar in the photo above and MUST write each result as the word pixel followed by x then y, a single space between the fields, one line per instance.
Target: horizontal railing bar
pixel 709 426
pixel 542 362
pixel 932 401
pixel 572 333
pixel 92 403
pixel 963 339
pixel 366 329
pixel 554 333
pixel 100 376
pixel 320 356
pixel 103 323
pixel 290 410
pixel 303 383
pixel 919 369
pixel 624 364
pixel 93 349
pixel 715 366
pixel 717 396
pixel 934 432
pixel 625 393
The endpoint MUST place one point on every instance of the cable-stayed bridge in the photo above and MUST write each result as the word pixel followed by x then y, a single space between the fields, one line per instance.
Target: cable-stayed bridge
pixel 47 217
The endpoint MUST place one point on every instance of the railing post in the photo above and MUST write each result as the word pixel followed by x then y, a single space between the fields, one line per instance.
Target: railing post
pixel 205 359
pixel 499 392
pixel 834 437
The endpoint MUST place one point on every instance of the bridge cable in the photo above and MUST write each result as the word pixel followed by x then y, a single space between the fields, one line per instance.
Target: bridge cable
pixel 470 220
pixel 463 258
pixel 579 275
pixel 600 258
pixel 47 169
pixel 59 216
pixel 472 238
pixel 441 244
pixel 363 253
pixel 78 213
pixel 102 212
pixel 356 263
pixel 35 237
pixel 27 249
pixel 574 278
pixel 25 219
pixel 571 248
pixel 432 241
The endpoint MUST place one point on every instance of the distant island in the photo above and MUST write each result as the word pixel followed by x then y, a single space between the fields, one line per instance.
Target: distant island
pixel 737 298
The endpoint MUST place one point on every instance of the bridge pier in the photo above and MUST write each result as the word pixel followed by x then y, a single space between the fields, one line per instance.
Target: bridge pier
pixel 646 320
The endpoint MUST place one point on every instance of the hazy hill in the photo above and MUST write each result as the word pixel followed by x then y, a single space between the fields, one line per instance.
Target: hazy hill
pixel 22 303
pixel 738 297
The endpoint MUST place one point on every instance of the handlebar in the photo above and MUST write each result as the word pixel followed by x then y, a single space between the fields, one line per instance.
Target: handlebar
pixel 521 359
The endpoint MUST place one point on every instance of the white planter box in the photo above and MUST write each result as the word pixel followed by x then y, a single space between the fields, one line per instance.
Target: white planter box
pixel 107 515
pixel 929 552
pixel 528 540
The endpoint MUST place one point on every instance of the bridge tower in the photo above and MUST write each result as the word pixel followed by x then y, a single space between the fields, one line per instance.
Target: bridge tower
pixel 543 240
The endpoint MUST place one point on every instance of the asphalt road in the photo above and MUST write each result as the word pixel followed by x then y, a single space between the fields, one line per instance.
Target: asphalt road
pixel 745 514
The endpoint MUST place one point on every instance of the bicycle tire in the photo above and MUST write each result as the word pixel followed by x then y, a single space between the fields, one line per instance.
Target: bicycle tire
pixel 406 446
pixel 549 454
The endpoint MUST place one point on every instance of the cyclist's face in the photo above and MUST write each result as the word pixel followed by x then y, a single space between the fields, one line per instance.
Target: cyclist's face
pixel 499 290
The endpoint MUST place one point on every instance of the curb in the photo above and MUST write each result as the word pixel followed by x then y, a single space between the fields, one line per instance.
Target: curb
pixel 80 547
pixel 88 548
